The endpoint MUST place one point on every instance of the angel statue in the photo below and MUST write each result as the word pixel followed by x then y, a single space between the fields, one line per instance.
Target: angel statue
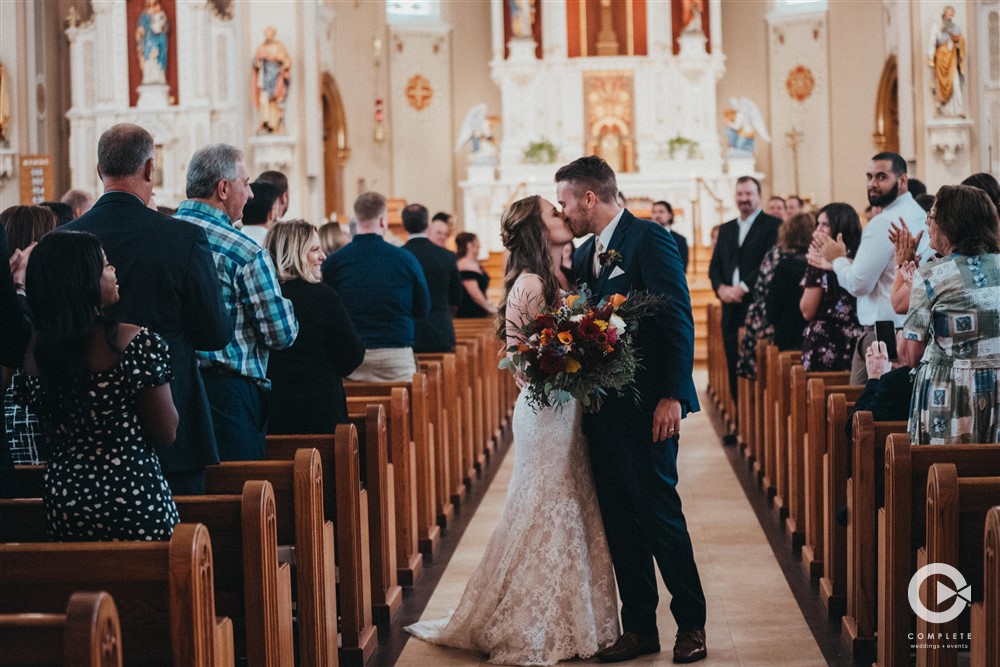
pixel 477 128
pixel 743 123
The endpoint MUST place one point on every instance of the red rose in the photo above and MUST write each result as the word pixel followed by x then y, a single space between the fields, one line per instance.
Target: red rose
pixel 545 321
pixel 588 329
pixel 550 363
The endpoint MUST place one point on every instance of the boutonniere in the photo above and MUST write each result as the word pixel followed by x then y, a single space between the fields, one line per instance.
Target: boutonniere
pixel 610 258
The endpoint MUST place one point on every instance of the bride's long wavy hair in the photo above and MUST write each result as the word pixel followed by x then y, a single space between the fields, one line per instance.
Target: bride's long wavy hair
pixel 524 235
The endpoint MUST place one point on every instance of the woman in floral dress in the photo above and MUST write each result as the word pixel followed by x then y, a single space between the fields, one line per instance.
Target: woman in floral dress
pixel 952 331
pixel 833 329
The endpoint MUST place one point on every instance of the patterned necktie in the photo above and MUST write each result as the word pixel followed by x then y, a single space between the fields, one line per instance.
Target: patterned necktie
pixel 598 249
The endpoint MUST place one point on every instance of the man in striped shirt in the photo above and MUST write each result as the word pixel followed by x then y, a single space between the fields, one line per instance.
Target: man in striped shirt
pixel 236 376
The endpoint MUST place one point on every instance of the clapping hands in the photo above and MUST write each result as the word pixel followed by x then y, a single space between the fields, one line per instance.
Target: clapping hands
pixel 906 244
pixel 877 360
pixel 824 250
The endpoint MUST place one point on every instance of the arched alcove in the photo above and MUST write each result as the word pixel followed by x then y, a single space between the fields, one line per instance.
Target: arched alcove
pixel 886 133
pixel 335 148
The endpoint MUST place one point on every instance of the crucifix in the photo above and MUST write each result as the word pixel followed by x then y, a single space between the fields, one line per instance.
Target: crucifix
pixel 793 138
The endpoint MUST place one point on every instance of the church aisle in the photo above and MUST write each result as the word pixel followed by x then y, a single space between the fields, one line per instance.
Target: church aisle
pixel 753 618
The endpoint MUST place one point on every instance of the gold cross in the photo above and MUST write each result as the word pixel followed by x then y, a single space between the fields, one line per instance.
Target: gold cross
pixel 419 92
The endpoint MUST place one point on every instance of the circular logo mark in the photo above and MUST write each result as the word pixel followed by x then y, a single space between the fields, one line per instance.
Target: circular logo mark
pixel 960 590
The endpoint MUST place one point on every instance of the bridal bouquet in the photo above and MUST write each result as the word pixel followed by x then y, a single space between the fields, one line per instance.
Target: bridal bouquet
pixel 578 350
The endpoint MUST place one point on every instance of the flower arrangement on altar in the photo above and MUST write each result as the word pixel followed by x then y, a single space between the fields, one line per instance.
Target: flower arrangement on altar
pixel 577 350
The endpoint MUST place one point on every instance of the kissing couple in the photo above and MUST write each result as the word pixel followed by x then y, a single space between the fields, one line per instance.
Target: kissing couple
pixel 593 497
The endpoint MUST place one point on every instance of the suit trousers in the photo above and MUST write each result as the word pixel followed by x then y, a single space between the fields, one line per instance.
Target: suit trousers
pixel 239 414
pixel 636 484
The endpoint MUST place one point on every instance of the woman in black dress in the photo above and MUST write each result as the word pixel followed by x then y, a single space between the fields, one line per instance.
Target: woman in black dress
pixel 101 393
pixel 828 343
pixel 782 303
pixel 474 279
pixel 307 390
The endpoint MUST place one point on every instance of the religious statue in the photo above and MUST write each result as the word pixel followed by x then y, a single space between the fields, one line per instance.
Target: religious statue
pixel 522 18
pixel 151 43
pixel 691 16
pixel 272 73
pixel 4 104
pixel 744 123
pixel 946 55
pixel 479 130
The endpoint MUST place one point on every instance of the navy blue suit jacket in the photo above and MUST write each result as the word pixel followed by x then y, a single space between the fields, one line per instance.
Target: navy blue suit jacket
pixel 665 340
pixel 168 283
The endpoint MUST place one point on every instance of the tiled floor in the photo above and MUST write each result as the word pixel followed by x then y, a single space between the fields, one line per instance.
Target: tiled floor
pixel 753 618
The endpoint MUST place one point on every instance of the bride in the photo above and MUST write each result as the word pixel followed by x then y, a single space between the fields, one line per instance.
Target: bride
pixel 545 589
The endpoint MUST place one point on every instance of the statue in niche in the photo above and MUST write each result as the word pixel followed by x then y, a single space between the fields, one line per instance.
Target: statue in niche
pixel 151 43
pixel 946 55
pixel 744 123
pixel 272 74
pixel 522 18
pixel 479 130
pixel 691 13
pixel 611 149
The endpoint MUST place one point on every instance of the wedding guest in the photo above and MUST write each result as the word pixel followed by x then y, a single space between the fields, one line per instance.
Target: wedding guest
pixel 475 280
pixel 988 184
pixel 24 225
pixel 307 391
pixel 62 211
pixel 916 187
pixel 260 212
pixel 332 238
pixel 794 205
pixel 435 332
pixel 783 296
pixel 169 285
pixel 776 207
pixel 663 215
pixel 758 325
pixel 280 181
pixel 263 321
pixel 384 290
pixel 440 228
pixel 17 331
pixel 925 201
pixel 100 388
pixel 952 330
pixel 888 391
pixel 829 309
pixel 78 200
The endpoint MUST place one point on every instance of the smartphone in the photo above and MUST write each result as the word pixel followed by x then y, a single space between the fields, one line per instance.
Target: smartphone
pixel 885 332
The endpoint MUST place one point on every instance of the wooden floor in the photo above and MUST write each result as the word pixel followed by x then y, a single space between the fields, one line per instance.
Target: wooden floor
pixel 753 616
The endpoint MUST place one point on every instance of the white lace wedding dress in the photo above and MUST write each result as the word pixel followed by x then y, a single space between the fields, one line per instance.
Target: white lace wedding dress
pixel 545 589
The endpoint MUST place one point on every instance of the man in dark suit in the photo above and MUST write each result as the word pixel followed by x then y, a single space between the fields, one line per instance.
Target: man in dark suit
pixel 168 283
pixel 436 332
pixel 741 247
pixel 633 445
pixel 663 215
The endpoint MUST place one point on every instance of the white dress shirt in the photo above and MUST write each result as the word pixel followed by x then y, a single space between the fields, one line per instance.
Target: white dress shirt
pixel 870 275
pixel 744 227
pixel 603 239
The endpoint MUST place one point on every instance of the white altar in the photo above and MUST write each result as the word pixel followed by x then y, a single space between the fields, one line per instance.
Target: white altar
pixel 654 115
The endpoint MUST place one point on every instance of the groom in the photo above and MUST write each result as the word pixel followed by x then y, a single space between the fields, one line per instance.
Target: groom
pixel 633 448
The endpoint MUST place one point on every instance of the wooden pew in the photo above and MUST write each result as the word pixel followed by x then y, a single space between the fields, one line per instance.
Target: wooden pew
pixel 487 358
pixel 863 532
pixel 451 480
pixel 481 441
pixel 808 441
pixel 776 479
pixel 836 465
pixel 87 635
pixel 163 591
pixel 956 513
pixel 761 411
pixel 387 595
pixel 251 587
pixel 358 637
pixel 428 531
pixel 302 530
pixel 434 369
pixel 409 562
pixel 902 525
pixel 985 617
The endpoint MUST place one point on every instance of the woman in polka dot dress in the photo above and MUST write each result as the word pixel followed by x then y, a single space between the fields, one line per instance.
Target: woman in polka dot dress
pixel 100 391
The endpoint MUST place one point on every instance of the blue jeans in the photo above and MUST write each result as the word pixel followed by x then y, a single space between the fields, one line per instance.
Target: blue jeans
pixel 239 415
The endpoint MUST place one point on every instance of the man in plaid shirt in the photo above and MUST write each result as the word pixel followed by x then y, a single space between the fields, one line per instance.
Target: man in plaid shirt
pixel 236 376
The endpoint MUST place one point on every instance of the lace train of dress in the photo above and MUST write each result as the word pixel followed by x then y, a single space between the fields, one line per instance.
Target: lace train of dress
pixel 545 588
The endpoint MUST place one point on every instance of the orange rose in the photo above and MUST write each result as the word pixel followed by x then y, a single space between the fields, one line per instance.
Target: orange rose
pixel 565 337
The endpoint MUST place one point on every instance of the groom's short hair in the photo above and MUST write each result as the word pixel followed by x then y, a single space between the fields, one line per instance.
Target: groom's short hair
pixel 590 173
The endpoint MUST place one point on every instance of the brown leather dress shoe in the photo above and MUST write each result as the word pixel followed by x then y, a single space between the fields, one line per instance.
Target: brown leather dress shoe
pixel 689 646
pixel 630 646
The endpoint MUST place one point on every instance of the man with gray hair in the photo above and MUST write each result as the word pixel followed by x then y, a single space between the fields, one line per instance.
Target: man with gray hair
pixel 79 201
pixel 167 282
pixel 236 377
pixel 384 291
